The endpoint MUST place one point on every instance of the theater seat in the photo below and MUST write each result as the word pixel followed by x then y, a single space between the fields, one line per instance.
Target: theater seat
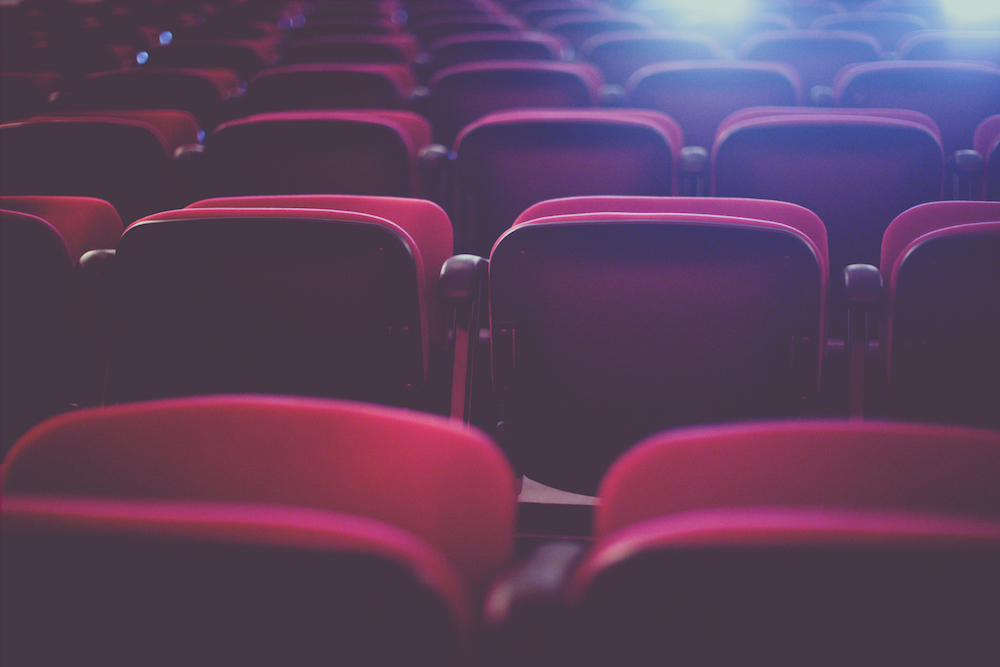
pixel 125 582
pixel 437 480
pixel 941 265
pixel 986 142
pixel 330 86
pixel 613 318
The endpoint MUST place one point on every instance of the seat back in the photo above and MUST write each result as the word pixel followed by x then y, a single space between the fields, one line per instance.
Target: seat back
pixel 943 313
pixel 790 588
pixel 887 27
pixel 441 481
pixel 84 223
pixel 123 161
pixel 986 142
pixel 957 95
pixel 683 314
pixel 464 93
pixel 335 152
pixel 871 466
pixel 974 45
pixel 817 55
pixel 480 46
pixel 507 161
pixel 856 171
pixel 125 582
pixel 351 48
pixel 621 54
pixel 330 86
pixel 36 281
pixel 578 28
pixel 700 95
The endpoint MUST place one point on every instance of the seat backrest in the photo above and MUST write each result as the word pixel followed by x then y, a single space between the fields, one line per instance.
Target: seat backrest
pixel 986 143
pixel 464 93
pixel 940 264
pixel 330 86
pixel 352 48
pixel 288 301
pixel 817 55
pixel 199 91
pixel 479 46
pixel 681 317
pixel 887 27
pixel 733 31
pixel 824 464
pixel 620 54
pixel 578 28
pixel 84 223
pixel 855 171
pixel 439 480
pixel 36 282
pixel 974 45
pixel 805 14
pixel 790 587
pixel 313 152
pixel 699 95
pixel 160 582
pixel 957 95
pixel 507 161
pixel 244 56
pixel 440 27
pixel 123 161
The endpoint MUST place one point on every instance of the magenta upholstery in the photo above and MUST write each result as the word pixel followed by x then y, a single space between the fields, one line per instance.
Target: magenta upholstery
pixel 479 46
pixel 84 223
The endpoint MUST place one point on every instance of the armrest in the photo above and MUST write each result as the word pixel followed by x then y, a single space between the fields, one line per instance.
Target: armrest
pixel 432 165
pixel 694 171
pixel 94 319
pixel 612 96
pixel 525 614
pixel 460 288
pixel 864 297
pixel 967 170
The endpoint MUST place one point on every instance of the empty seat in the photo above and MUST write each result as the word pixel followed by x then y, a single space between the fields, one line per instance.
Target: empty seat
pixel 620 54
pixel 699 95
pixel 438 480
pixel 614 317
pixel 817 55
pixel 986 143
pixel 857 170
pixel 123 157
pixel 440 27
pixel 887 27
pixel 929 11
pixel 940 263
pixel 84 223
pixel 264 298
pixel 245 56
pixel 509 160
pixel 311 152
pixel 22 97
pixel 975 45
pixel 464 93
pixel 352 48
pixel 870 466
pixel 578 28
pixel 330 86
pixel 958 96
pixel 789 587
pixel 478 46
pixel 199 91
pixel 125 582
pixel 804 14
pixel 732 32
pixel 37 283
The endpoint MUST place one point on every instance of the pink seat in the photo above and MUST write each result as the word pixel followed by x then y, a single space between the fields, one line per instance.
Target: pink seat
pixel 84 223
pixel 434 479
pixel 462 94
pixel 509 160
pixel 652 293
pixel 940 264
pixel 167 582
pixel 973 45
pixel 485 46
pixel 330 86
pixel 817 55
pixel 986 142
pixel 869 466
pixel 699 95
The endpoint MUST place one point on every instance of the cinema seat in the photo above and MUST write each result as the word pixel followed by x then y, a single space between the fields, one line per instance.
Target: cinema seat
pixel 124 157
pixel 401 48
pixel 868 466
pixel 440 481
pixel 986 142
pixel 37 287
pixel 330 86
pixel 887 27
pixel 620 54
pixel 615 317
pixel 789 587
pixel 244 56
pixel 578 28
pixel 480 46
pixel 970 45
pixel 699 95
pixel 125 582
pixel 201 92
pixel 303 301
pixel 509 160
pixel 84 223
pixel 855 169
pixel 370 152
pixel 443 26
pixel 957 95
pixel 940 265
pixel 817 55
pixel 464 93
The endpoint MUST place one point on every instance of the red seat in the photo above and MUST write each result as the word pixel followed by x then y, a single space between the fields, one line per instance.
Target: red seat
pixel 84 223
pixel 437 480
pixel 480 46
pixel 330 86
pixel 940 264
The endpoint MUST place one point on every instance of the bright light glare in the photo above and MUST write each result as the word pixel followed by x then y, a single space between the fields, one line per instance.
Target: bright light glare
pixel 971 11
pixel 719 10
pixel 166 37
pixel 142 57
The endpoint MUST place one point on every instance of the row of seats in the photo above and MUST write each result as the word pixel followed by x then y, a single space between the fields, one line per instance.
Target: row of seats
pixel 686 310
pixel 266 529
